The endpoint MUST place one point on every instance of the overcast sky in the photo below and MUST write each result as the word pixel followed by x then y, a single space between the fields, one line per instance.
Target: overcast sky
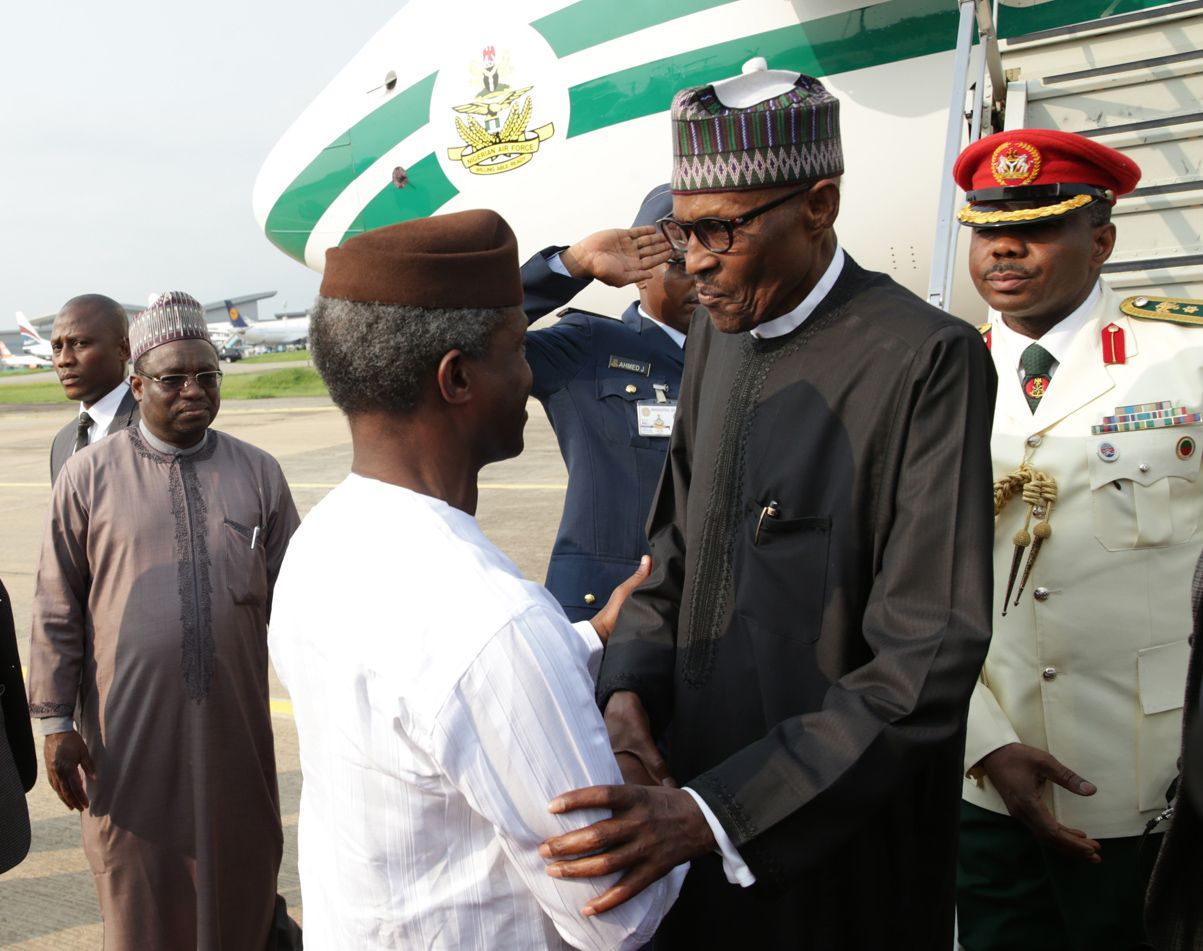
pixel 131 133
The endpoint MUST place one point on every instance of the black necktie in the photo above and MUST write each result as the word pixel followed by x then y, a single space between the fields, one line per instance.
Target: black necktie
pixel 1037 365
pixel 81 431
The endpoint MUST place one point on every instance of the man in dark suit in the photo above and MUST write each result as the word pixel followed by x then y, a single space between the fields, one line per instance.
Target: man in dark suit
pixel 90 344
pixel 18 763
pixel 1173 917
pixel 597 378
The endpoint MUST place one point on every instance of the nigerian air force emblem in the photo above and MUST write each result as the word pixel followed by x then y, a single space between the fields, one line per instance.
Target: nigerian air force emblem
pixel 495 125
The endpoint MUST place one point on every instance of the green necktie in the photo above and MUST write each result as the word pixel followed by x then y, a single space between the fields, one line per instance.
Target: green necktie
pixel 1037 365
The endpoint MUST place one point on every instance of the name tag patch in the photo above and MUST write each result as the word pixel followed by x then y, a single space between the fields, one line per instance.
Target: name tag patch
pixel 630 364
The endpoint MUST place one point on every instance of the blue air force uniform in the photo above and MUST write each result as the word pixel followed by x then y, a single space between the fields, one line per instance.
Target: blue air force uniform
pixel 590 374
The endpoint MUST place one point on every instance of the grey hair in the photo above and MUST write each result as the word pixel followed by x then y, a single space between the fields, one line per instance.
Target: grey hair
pixel 378 356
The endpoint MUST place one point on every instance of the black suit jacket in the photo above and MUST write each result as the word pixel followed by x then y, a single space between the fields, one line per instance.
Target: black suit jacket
pixel 18 763
pixel 1173 912
pixel 64 441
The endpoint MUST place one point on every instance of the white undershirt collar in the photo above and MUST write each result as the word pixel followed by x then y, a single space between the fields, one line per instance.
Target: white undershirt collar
pixel 104 411
pixel 674 335
pixel 786 323
pixel 1056 341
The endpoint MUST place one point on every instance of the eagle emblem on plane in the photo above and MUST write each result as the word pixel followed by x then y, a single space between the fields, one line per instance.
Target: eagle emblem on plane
pixel 493 144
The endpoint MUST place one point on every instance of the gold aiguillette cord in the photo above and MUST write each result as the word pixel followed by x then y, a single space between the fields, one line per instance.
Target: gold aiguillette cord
pixel 1039 491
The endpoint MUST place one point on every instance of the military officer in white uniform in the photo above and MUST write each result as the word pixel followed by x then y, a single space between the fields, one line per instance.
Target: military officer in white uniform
pixel 1073 728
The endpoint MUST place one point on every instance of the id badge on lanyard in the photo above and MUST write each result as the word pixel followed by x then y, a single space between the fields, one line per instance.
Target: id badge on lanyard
pixel 656 416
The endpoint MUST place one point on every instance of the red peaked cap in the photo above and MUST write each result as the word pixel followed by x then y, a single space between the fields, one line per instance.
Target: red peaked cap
pixel 465 259
pixel 1039 165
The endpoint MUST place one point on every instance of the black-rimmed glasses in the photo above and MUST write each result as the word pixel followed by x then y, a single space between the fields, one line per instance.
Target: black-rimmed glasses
pixel 206 380
pixel 717 234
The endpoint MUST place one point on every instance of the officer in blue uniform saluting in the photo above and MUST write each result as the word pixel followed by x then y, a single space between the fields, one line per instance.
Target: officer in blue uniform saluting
pixel 609 388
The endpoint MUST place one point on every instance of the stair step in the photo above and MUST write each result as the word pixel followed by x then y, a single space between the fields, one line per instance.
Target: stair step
pixel 1151 17
pixel 1119 77
pixel 1155 102
pixel 1118 68
pixel 1174 35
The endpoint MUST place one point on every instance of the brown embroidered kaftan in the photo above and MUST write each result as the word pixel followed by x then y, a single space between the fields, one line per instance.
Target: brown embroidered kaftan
pixel 150 624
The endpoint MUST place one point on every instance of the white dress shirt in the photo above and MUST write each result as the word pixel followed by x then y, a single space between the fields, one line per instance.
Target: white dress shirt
pixel 441 702
pixel 104 411
pixel 1009 344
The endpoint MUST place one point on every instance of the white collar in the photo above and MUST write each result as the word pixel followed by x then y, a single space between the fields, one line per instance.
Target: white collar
pixel 1056 341
pixel 673 334
pixel 104 411
pixel 780 326
pixel 167 448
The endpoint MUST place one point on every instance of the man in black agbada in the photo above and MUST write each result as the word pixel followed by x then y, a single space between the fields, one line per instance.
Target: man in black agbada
pixel 818 608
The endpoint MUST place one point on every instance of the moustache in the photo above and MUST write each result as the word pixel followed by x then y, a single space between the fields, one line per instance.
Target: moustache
pixel 1004 268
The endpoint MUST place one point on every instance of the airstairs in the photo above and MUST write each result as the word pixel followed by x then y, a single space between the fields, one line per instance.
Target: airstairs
pixel 1133 82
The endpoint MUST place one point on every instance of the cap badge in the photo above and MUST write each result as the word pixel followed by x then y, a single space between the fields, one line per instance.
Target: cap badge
pixel 1015 163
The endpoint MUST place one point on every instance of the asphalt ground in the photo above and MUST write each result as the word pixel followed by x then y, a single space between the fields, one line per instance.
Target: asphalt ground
pixel 48 902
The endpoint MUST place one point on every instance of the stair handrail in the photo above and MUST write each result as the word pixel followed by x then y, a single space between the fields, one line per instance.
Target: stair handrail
pixel 979 14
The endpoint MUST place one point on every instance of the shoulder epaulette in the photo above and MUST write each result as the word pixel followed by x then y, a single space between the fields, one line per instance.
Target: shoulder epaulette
pixel 1174 310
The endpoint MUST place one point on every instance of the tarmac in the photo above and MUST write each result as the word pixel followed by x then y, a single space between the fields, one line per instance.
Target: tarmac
pixel 48 903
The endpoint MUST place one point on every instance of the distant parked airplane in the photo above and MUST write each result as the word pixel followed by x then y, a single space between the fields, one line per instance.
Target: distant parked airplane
pixel 268 333
pixel 32 342
pixel 11 360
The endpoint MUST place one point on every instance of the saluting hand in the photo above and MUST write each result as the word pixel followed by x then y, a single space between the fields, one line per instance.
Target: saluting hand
pixel 617 256
pixel 1019 773
pixel 66 754
pixel 652 830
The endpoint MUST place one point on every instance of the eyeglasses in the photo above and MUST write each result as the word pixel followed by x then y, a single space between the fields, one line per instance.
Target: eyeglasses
pixel 717 234
pixel 206 380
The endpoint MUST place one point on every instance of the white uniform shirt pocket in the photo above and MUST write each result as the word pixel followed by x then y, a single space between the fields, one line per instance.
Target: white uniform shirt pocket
pixel 1144 487
pixel 1161 676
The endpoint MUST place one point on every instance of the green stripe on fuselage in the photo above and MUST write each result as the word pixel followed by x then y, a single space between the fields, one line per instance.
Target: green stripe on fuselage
pixel 587 23
pixel 297 210
pixel 872 36
pixel 838 43
pixel 428 190
pixel 1016 21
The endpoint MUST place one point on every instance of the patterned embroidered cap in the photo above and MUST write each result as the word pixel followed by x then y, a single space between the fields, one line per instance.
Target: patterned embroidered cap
pixel 171 316
pixel 761 129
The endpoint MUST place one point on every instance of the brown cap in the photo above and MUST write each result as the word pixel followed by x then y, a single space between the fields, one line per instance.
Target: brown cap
pixel 467 259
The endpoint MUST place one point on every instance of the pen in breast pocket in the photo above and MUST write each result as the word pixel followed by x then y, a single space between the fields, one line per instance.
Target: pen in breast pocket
pixel 772 510
pixel 254 537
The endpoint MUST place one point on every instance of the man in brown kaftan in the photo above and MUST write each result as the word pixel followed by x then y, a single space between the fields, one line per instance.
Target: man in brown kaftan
pixel 150 629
